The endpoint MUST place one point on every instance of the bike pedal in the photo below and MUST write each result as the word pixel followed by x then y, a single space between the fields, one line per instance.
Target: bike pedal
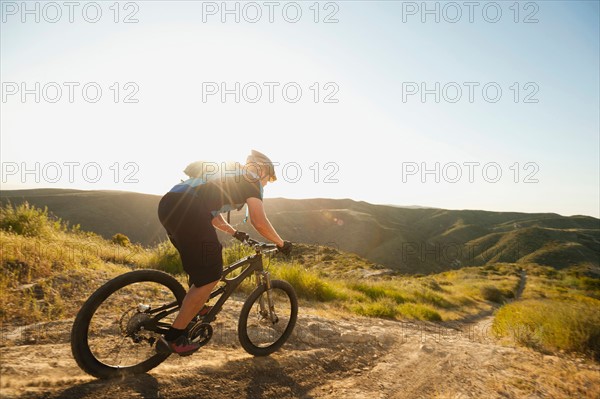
pixel 162 349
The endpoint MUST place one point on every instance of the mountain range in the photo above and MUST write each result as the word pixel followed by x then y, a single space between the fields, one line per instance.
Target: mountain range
pixel 408 240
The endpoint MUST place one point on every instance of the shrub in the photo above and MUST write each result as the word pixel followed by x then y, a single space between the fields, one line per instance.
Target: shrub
pixel 419 312
pixel 370 290
pixel 121 239
pixel 166 258
pixel 376 291
pixel 28 221
pixel 235 252
pixel 384 307
pixel 307 283
pixel 589 283
pixel 432 284
pixel 552 325
pixel 492 294
pixel 432 298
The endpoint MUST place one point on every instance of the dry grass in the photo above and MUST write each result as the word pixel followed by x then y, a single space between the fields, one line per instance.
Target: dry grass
pixel 559 312
pixel 447 296
pixel 48 270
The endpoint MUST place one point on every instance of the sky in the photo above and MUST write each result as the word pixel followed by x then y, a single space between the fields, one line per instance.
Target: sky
pixel 455 105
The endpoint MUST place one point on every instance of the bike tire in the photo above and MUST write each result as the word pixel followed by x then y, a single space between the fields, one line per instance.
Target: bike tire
pixel 80 332
pixel 285 302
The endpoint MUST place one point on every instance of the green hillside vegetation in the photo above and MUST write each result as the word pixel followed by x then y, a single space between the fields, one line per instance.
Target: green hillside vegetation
pixel 559 311
pixel 49 269
pixel 104 212
pixel 405 240
pixel 52 268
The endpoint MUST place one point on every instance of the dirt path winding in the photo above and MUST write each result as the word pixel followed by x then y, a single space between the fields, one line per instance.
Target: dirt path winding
pixel 325 358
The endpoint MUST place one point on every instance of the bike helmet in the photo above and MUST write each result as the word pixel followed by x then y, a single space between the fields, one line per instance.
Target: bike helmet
pixel 261 160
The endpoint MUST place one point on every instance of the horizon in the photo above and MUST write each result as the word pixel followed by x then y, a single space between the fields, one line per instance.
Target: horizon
pixel 494 107
pixel 414 206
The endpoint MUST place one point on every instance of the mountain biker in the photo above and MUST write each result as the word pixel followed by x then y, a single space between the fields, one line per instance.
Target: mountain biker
pixel 190 212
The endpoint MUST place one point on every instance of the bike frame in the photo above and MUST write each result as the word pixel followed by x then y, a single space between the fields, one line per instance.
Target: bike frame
pixel 253 264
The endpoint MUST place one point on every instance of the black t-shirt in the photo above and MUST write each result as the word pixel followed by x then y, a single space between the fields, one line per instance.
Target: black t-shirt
pixel 228 193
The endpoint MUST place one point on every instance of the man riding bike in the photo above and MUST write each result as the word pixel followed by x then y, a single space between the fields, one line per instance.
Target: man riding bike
pixel 190 212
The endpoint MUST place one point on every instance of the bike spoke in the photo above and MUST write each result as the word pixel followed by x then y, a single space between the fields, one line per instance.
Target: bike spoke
pixel 266 326
pixel 117 334
pixel 117 350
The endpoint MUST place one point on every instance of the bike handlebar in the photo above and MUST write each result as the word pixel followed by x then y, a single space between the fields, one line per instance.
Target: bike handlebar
pixel 261 246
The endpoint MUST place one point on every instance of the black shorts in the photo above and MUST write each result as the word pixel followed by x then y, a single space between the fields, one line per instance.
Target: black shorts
pixel 189 226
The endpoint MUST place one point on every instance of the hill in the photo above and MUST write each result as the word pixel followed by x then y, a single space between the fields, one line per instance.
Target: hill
pixel 408 240
pixel 454 334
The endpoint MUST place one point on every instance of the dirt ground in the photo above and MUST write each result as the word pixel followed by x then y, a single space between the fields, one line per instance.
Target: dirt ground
pixel 328 356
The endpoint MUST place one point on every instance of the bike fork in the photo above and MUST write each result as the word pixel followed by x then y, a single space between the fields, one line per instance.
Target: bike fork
pixel 267 310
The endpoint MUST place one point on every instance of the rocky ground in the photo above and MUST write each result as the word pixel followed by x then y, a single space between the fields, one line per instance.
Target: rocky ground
pixel 328 356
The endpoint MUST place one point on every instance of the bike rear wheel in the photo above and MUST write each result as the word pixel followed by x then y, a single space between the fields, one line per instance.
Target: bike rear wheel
pixel 116 328
pixel 263 329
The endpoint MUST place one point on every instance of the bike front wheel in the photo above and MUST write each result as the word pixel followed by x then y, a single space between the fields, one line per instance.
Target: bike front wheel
pixel 267 318
pixel 115 331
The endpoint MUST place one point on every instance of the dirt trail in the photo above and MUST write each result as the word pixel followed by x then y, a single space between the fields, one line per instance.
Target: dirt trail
pixel 522 283
pixel 325 358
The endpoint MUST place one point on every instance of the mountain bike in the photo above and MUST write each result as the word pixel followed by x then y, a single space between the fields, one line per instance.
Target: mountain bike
pixel 115 331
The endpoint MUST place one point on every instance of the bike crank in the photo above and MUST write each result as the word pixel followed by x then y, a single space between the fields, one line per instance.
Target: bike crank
pixel 201 333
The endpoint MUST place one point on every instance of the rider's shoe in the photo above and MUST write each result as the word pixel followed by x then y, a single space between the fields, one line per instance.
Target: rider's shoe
pixel 182 346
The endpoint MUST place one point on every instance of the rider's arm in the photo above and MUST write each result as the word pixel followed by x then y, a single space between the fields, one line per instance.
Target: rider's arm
pixel 260 222
pixel 220 223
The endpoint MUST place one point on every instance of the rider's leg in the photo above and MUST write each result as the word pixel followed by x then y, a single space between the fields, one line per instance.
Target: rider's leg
pixel 176 340
pixel 192 303
pixel 189 225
